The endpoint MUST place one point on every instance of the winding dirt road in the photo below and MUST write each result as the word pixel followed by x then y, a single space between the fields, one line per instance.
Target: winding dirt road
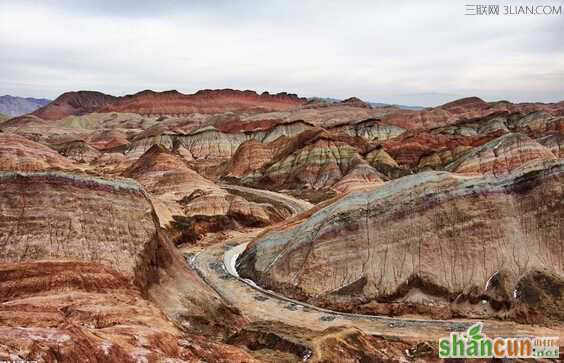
pixel 216 266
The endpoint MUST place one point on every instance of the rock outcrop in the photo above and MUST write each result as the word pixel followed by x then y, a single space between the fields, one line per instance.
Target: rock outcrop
pixel 500 156
pixel 204 101
pixel 274 342
pixel 82 258
pixel 318 160
pixel 192 204
pixel 21 154
pixel 361 176
pixel 434 242
pixel 371 129
pixel 73 103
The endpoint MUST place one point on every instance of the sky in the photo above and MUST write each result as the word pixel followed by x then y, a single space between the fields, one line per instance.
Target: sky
pixel 404 52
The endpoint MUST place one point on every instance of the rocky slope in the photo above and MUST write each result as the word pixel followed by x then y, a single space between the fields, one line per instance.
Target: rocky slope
pixel 166 103
pixel 205 101
pixel 19 153
pixel 192 204
pixel 16 106
pixel 500 155
pixel 73 103
pixel 315 159
pixel 96 192
pixel 466 109
pixel 437 241
pixel 82 257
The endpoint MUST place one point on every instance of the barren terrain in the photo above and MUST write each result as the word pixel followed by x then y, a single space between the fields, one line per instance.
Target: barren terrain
pixel 231 226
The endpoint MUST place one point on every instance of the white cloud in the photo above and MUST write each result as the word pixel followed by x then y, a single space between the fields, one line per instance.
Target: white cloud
pixel 409 52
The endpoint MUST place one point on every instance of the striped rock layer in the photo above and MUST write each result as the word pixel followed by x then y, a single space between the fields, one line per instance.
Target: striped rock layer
pixel 434 235
pixel 83 274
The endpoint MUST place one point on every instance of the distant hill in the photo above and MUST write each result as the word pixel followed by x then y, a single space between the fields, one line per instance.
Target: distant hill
pixel 373 104
pixel 16 106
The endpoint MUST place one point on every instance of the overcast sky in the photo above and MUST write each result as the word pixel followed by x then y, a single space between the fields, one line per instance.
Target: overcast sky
pixel 407 52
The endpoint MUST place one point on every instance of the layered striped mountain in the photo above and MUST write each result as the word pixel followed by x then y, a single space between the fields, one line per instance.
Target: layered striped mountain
pixel 500 155
pixel 84 268
pixel 316 160
pixel 435 242
pixel 166 103
pixel 191 204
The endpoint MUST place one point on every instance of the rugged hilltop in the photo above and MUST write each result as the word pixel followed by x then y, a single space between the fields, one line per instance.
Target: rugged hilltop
pixel 105 203
pixel 165 103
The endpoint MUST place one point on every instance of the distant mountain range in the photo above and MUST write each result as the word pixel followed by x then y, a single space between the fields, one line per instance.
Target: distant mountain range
pixel 13 106
pixel 373 104
pixel 16 106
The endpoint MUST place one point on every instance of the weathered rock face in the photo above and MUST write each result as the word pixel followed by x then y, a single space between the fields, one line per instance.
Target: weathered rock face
pixel 78 151
pixel 63 311
pixel 554 142
pixel 193 204
pixel 411 148
pixel 538 123
pixel 355 102
pixel 253 155
pixel 51 215
pixel 370 130
pixel 108 139
pixel 380 160
pixel 19 153
pixel 362 175
pixel 205 101
pixel 73 103
pixel 80 256
pixel 464 105
pixel 69 311
pixel 169 102
pixel 465 109
pixel 431 237
pixel 500 155
pixel 320 163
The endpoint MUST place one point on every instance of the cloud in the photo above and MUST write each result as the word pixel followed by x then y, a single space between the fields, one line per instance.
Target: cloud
pixel 408 52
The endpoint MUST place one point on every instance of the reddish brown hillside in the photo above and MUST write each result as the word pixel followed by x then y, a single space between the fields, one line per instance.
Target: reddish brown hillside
pixel 74 103
pixel 205 101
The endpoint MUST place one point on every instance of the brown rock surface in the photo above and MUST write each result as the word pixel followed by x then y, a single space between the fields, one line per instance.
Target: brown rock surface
pixel 90 266
pixel 19 153
pixel 316 159
pixel 73 103
pixel 410 147
pixel 434 240
pixel 205 101
pixel 81 255
pixel 282 343
pixel 464 109
pixel 500 156
pixel 196 205
pixel 554 142
pixel 362 175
